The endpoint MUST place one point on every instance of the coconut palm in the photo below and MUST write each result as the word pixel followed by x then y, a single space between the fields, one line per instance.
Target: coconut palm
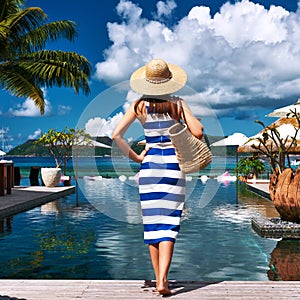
pixel 25 65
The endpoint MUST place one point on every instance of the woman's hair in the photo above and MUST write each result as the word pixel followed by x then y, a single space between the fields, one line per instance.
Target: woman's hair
pixel 159 106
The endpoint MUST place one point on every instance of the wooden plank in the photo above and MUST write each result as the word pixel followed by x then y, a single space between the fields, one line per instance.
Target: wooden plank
pixel 138 289
pixel 25 198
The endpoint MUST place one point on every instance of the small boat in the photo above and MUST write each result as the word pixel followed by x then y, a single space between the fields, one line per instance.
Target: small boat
pixel 92 178
pixel 64 177
pixel 226 177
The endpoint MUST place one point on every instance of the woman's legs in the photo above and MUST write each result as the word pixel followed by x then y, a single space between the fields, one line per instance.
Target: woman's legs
pixel 161 257
pixel 165 257
pixel 154 255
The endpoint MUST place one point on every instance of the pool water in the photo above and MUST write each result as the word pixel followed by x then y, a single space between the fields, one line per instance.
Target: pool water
pixel 76 238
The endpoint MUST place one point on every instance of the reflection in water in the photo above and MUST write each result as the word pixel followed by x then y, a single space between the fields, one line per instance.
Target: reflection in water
pixel 114 198
pixel 6 225
pixel 53 207
pixel 69 240
pixel 285 261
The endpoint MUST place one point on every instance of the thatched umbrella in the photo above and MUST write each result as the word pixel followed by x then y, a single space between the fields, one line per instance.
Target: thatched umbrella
pixel 287 130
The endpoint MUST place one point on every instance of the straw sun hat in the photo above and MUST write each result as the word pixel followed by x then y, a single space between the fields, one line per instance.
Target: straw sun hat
pixel 158 78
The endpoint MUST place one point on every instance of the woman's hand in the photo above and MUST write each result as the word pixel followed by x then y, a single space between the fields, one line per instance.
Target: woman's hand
pixel 142 155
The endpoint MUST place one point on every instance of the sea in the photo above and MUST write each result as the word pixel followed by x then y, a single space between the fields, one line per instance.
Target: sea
pixel 111 167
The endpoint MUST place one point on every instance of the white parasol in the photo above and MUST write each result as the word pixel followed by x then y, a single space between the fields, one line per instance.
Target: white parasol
pixel 236 139
pixel 93 143
pixel 283 111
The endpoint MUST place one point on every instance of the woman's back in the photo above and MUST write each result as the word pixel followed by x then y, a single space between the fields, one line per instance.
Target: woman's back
pixel 156 128
pixel 161 183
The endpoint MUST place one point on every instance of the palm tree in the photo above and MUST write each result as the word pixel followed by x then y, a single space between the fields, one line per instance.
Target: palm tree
pixel 25 66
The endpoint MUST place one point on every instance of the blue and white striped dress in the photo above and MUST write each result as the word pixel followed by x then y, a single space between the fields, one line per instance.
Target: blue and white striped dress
pixel 161 183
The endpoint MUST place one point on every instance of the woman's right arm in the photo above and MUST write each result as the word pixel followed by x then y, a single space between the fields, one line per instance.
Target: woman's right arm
pixel 194 125
pixel 118 136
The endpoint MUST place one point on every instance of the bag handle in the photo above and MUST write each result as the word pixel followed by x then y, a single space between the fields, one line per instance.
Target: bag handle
pixel 182 112
pixel 184 119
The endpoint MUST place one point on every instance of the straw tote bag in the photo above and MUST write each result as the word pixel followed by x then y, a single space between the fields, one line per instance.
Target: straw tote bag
pixel 192 153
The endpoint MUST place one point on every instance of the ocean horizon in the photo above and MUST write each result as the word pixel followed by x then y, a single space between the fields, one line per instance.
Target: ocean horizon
pixel 111 166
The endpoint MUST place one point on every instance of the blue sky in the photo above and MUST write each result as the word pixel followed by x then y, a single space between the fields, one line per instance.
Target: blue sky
pixel 242 59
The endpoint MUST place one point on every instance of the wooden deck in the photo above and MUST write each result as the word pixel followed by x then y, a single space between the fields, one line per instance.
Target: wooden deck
pixel 135 289
pixel 260 188
pixel 24 198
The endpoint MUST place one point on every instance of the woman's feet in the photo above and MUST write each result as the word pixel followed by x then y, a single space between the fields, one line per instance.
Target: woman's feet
pixel 163 289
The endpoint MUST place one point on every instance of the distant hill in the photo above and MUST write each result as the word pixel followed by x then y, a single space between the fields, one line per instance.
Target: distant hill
pixel 30 149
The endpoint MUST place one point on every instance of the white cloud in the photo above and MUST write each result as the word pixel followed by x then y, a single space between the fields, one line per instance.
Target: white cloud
pixel 129 11
pixel 165 8
pixel 64 109
pixel 35 135
pixel 245 22
pixel 244 56
pixel 6 139
pixel 102 127
pixel 29 109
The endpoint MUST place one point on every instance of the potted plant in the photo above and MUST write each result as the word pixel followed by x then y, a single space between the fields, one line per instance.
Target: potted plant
pixel 59 145
pixel 250 167
pixel 284 181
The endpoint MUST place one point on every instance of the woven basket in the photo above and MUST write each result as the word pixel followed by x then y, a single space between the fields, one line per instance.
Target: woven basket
pixel 193 154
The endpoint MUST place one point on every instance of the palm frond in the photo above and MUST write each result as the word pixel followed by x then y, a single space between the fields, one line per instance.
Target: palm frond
pixel 15 26
pixel 25 20
pixel 36 39
pixel 14 82
pixel 59 73
pixel 60 29
pixel 71 58
pixel 46 68
pixel 24 66
pixel 8 7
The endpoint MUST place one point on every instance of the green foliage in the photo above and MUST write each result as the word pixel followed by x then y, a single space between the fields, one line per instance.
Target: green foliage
pixel 250 166
pixel 60 143
pixel 24 66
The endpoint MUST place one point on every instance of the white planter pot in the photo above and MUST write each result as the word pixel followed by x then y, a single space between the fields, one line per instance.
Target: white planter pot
pixel 51 176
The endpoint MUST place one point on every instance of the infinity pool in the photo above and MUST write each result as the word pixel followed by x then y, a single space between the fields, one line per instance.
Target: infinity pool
pixel 102 238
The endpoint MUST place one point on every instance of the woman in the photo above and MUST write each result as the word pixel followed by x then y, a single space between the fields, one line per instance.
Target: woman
pixel 161 183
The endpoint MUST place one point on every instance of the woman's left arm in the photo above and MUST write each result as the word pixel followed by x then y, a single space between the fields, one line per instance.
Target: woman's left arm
pixel 194 125
pixel 120 130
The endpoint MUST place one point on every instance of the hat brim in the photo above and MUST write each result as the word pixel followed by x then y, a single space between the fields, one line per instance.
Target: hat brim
pixel 140 85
